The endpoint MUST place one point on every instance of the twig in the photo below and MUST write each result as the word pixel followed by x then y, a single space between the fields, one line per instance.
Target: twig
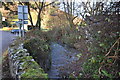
pixel 116 53
pixel 112 47
pixel 83 72
pixel 113 57
pixel 99 70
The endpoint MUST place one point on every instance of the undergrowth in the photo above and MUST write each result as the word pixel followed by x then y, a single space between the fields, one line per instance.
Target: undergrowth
pixel 104 61
pixel 38 46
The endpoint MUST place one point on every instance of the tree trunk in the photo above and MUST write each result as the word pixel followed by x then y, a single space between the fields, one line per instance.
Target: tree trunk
pixel 31 21
pixel 38 23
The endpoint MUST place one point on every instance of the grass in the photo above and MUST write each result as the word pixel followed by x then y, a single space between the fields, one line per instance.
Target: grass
pixel 4 55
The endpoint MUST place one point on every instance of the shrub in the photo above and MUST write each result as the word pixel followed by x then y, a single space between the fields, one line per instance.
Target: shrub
pixel 38 47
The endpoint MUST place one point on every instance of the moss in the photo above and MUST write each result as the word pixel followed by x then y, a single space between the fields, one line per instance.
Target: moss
pixel 39 49
pixel 25 58
pixel 32 69
pixel 27 65
pixel 34 73
pixel 30 65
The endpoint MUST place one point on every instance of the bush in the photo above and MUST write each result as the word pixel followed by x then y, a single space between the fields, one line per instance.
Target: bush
pixel 65 35
pixel 39 48
pixel 100 65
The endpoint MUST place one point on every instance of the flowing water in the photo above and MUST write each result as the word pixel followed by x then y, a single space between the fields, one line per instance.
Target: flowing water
pixel 60 57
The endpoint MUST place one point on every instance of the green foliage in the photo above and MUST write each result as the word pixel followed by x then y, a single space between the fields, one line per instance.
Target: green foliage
pixel 107 19
pixel 65 35
pixel 101 45
pixel 82 24
pixel 28 64
pixel 92 65
pixel 28 67
pixel 34 73
pixel 102 42
pixel 106 73
pixel 52 11
pixel 5 23
pixel 39 48
pixel 32 69
pixel 69 39
pixel 79 55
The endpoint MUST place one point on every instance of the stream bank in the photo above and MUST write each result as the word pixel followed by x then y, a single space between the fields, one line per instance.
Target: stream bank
pixel 61 57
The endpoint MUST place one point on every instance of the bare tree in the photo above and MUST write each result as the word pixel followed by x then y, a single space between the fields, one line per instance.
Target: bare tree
pixel 40 7
pixel 69 8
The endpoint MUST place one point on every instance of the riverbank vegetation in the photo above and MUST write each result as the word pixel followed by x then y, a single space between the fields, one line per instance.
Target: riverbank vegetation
pixel 94 32
pixel 37 44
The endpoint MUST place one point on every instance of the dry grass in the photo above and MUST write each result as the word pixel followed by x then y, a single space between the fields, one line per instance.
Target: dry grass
pixel 5 54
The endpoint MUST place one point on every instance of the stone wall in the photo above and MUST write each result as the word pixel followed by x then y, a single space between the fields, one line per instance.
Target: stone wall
pixel 22 65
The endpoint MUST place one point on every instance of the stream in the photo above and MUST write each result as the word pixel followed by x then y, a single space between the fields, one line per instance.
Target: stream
pixel 60 57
